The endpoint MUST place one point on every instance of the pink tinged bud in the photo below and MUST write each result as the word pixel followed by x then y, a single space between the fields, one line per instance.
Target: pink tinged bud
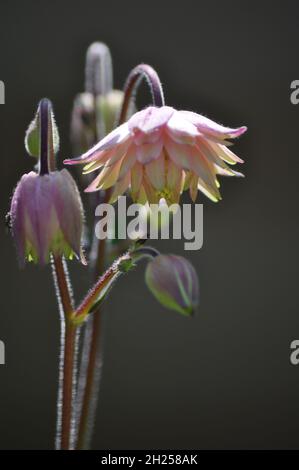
pixel 47 217
pixel 173 281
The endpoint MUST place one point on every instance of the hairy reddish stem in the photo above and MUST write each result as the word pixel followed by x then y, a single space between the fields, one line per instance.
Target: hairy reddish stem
pixel 150 75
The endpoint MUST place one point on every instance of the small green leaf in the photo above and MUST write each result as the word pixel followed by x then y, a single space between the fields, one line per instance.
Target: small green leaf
pixel 32 136
pixel 126 265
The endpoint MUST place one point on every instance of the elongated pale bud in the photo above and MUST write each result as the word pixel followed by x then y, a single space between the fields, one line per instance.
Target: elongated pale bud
pixel 47 217
pixel 98 69
pixel 95 111
pixel 173 281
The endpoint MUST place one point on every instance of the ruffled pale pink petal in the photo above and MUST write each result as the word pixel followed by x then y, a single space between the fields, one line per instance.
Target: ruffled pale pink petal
pixel 100 156
pixel 107 178
pixel 179 153
pixel 204 170
pixel 148 152
pixel 206 190
pixel 189 157
pixel 155 171
pixel 181 130
pixel 140 138
pixel 118 136
pixel 150 119
pixel 193 186
pixel 150 191
pixel 174 174
pixel 120 188
pixel 119 151
pixel 128 161
pixel 228 172
pixel 207 126
pixel 141 197
pixel 226 154
pixel 190 183
pixel 187 175
pixel 212 156
pixel 96 165
pixel 136 179
pixel 107 158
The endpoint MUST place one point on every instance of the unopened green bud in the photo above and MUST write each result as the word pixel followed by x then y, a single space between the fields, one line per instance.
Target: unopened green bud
pixel 173 281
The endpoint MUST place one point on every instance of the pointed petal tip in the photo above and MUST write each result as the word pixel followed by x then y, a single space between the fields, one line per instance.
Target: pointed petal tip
pixel 241 130
pixel 233 133
pixel 90 189
pixel 72 161
pixel 239 174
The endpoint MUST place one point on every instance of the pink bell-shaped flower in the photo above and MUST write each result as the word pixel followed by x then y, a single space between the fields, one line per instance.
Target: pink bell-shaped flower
pixel 47 217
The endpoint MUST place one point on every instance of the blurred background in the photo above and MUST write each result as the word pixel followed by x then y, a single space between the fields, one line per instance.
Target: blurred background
pixel 222 379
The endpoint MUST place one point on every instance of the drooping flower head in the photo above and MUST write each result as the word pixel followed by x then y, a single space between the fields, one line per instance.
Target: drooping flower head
pixel 47 217
pixel 159 152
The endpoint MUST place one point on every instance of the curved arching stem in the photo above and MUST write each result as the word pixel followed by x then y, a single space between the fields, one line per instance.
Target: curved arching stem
pixel 142 71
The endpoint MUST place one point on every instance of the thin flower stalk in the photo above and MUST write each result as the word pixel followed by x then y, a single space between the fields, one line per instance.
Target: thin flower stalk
pixel 65 301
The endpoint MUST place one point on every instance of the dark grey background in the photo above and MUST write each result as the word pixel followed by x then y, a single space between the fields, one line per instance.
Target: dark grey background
pixel 222 379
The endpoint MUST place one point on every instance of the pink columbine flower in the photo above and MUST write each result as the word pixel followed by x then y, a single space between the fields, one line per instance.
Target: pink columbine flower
pixel 159 152
pixel 47 217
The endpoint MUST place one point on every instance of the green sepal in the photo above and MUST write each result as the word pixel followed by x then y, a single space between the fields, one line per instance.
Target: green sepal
pixel 32 136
